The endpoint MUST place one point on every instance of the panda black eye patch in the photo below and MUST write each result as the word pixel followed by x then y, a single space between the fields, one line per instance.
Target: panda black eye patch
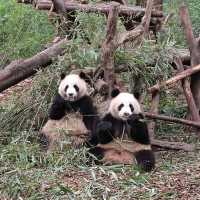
pixel 131 107
pixel 120 106
pixel 76 88
pixel 66 87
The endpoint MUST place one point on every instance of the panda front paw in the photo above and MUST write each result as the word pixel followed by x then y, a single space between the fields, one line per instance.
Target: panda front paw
pixel 104 126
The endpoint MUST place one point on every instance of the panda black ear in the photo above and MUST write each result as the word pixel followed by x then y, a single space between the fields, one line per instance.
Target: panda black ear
pixel 83 75
pixel 62 76
pixel 115 92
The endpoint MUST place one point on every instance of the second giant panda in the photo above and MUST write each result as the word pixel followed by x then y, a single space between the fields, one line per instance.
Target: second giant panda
pixel 122 135
pixel 72 113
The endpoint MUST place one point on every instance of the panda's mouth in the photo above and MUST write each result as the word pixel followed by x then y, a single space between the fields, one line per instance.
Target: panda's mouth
pixel 70 98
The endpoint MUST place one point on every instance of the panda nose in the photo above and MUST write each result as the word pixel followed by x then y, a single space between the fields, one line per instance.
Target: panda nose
pixel 70 94
pixel 126 114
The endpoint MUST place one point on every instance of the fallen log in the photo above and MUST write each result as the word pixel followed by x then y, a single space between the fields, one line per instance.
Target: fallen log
pixel 172 145
pixel 103 8
pixel 19 70
pixel 174 79
pixel 171 119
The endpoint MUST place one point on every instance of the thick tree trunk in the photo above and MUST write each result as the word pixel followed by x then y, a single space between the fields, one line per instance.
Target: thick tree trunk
pixel 108 47
pixel 21 69
pixel 194 47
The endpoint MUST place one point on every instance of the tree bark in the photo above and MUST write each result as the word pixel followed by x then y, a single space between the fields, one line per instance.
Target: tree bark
pixel 103 8
pixel 108 47
pixel 194 48
pixel 188 93
pixel 172 119
pixel 153 109
pixel 21 69
pixel 173 145
pixel 176 78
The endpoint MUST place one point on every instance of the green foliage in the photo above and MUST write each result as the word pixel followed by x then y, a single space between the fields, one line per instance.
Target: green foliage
pixel 175 25
pixel 26 172
pixel 23 31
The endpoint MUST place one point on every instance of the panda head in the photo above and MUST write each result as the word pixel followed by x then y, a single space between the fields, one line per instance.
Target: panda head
pixel 124 105
pixel 72 87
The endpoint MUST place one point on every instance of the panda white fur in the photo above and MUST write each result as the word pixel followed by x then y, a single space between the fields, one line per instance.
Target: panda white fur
pixel 121 136
pixel 71 114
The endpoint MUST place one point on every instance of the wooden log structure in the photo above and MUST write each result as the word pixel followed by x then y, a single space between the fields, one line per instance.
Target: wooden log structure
pixel 108 47
pixel 154 108
pixel 172 119
pixel 18 70
pixel 194 48
pixel 187 91
pixel 174 79
pixel 101 8
pixel 172 145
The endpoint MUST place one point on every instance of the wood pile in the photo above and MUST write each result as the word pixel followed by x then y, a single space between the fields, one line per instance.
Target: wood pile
pixel 106 74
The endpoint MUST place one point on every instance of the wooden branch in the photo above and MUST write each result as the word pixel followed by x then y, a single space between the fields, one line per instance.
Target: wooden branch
pixel 139 30
pixel 103 8
pixel 194 48
pixel 172 119
pixel 21 69
pixel 187 25
pixel 187 91
pixel 128 36
pixel 173 145
pixel 176 78
pixel 147 17
pixel 108 47
pixel 153 109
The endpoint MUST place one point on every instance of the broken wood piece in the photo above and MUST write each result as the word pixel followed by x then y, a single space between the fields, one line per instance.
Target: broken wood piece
pixel 187 91
pixel 153 109
pixel 174 79
pixel 19 70
pixel 171 119
pixel 172 145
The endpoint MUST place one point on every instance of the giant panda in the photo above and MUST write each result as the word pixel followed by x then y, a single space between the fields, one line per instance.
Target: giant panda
pixel 72 113
pixel 121 135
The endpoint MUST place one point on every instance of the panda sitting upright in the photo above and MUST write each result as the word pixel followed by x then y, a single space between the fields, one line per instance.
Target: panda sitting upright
pixel 71 114
pixel 121 136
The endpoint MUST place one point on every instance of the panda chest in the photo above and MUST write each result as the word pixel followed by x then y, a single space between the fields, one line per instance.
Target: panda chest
pixel 122 131
pixel 74 123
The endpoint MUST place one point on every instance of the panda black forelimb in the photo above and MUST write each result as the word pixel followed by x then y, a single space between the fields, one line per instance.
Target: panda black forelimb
pixel 139 131
pixel 104 132
pixel 57 109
